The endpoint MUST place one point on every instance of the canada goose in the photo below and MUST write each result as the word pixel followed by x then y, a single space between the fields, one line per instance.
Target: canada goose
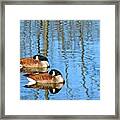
pixel 37 63
pixel 52 81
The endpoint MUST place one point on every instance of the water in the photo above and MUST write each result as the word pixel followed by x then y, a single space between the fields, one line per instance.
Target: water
pixel 73 48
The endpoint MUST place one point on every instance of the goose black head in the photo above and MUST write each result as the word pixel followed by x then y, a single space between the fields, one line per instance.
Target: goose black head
pixel 40 57
pixel 55 72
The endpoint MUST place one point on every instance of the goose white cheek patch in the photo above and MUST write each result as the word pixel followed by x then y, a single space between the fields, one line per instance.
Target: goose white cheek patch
pixel 53 90
pixel 37 58
pixel 53 74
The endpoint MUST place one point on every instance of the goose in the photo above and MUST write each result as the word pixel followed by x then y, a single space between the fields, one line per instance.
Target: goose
pixel 34 64
pixel 52 80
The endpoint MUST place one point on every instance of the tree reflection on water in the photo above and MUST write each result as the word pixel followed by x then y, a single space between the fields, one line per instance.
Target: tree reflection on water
pixel 73 47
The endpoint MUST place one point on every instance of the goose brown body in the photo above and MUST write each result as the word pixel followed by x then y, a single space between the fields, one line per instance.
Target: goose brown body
pixel 42 77
pixel 54 76
pixel 52 81
pixel 37 63
pixel 30 62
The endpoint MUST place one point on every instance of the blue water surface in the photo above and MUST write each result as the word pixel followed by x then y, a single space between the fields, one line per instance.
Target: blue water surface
pixel 72 47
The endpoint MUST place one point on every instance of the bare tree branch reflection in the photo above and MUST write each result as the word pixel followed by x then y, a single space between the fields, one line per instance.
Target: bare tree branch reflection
pixel 83 68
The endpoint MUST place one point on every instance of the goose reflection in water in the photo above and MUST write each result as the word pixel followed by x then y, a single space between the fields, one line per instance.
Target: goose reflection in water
pixel 52 81
pixel 37 63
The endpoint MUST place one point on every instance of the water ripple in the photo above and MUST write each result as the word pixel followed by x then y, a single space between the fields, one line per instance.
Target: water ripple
pixel 72 47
